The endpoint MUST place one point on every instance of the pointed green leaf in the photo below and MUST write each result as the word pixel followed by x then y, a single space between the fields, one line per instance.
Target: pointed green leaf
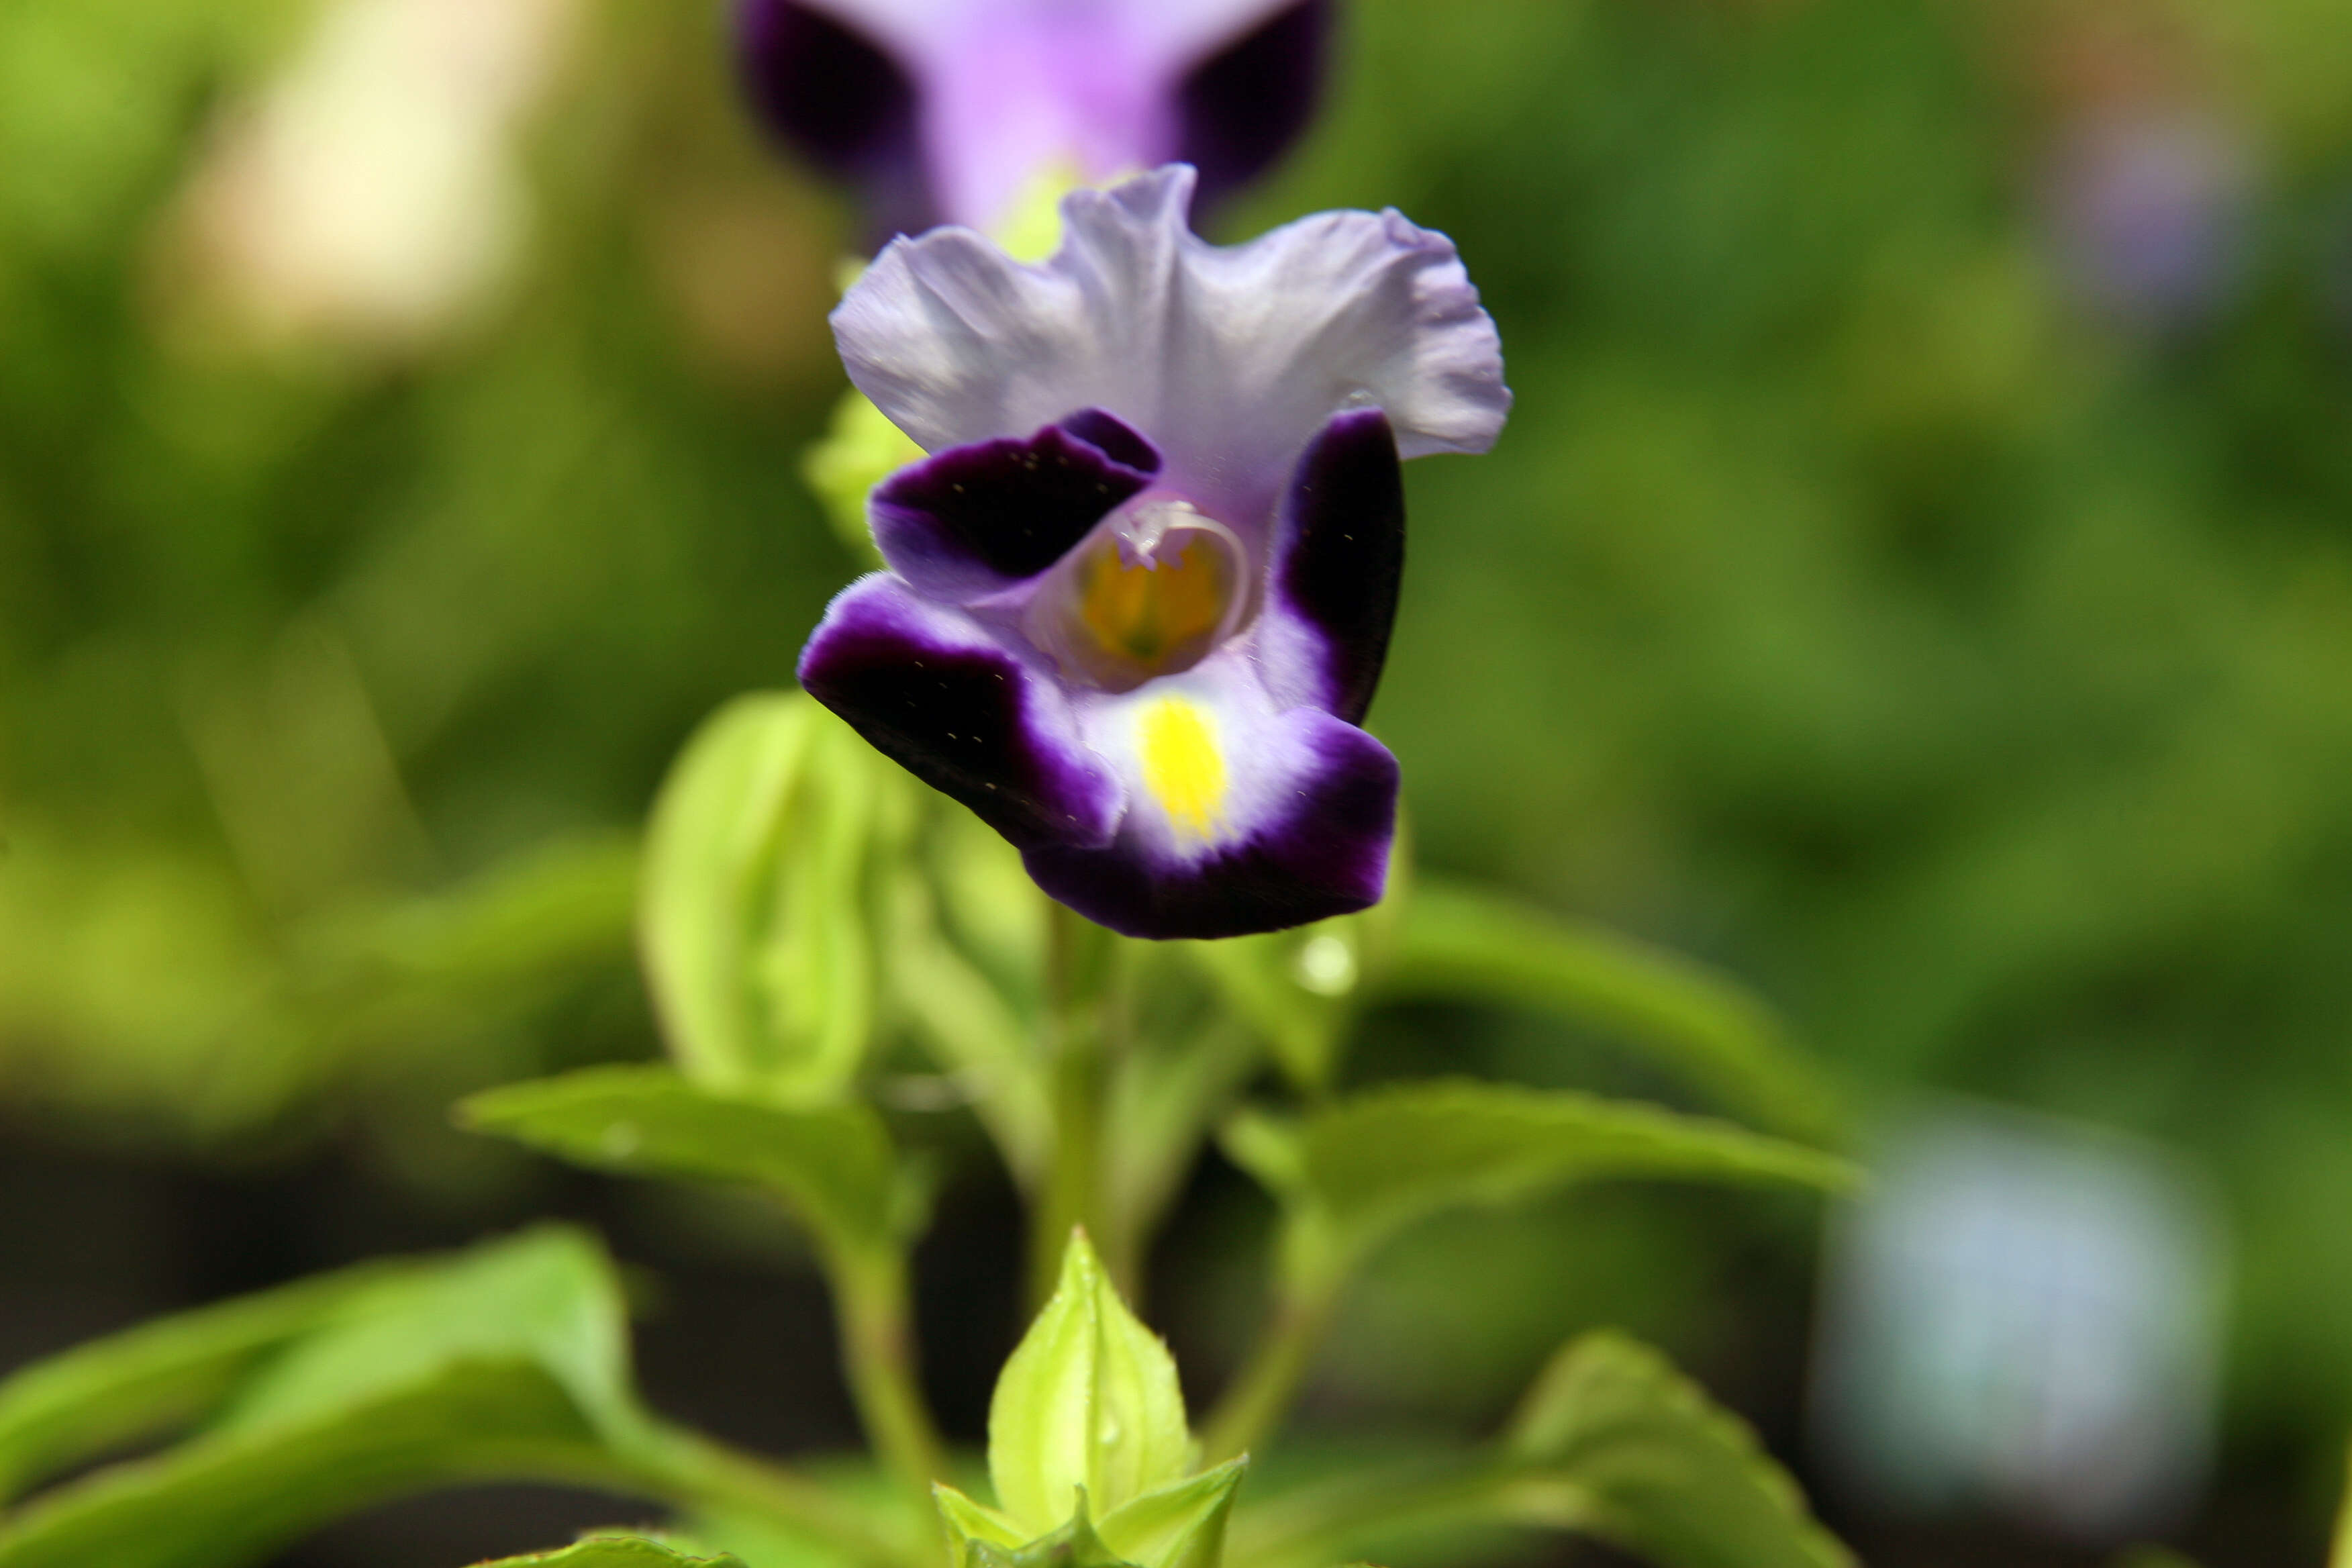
pixel 616 1552
pixel 1178 1526
pixel 58 1413
pixel 1074 1546
pixel 1614 1442
pixel 504 1362
pixel 753 914
pixel 1087 1405
pixel 833 1164
pixel 1353 1173
pixel 1456 943
pixel 967 1521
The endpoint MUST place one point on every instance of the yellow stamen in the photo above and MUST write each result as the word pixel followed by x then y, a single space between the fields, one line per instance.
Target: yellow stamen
pixel 1155 616
pixel 1181 765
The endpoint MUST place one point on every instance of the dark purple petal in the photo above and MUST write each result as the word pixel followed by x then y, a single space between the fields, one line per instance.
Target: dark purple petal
pixel 1238 109
pixel 1113 438
pixel 1339 553
pixel 931 690
pixel 1326 854
pixel 972 520
pixel 842 101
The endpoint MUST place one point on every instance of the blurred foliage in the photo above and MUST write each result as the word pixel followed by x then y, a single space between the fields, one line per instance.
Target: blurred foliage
pixel 1851 602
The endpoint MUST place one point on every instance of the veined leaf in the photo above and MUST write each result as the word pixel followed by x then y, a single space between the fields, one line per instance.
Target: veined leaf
pixel 1614 1442
pixel 1087 1406
pixel 1453 943
pixel 833 1163
pixel 1356 1172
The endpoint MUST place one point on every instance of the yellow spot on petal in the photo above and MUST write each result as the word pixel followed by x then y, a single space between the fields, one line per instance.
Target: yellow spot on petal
pixel 1181 765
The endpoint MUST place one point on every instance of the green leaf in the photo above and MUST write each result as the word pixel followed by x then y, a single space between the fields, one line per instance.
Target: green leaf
pixel 833 1164
pixel 967 1521
pixel 1356 1172
pixel 1086 1405
pixel 547 1299
pixel 1456 943
pixel 616 1552
pixel 1074 1546
pixel 1178 1526
pixel 58 1413
pixel 753 913
pixel 504 1362
pixel 1613 1441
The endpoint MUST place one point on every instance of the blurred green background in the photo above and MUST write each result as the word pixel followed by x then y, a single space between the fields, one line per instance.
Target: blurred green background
pixel 1918 578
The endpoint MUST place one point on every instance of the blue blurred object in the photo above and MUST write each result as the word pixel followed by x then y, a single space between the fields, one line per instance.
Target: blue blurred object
pixel 2023 1318
pixel 2149 211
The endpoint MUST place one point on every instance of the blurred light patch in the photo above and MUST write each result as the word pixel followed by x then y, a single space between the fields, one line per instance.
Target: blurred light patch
pixel 2149 211
pixel 372 192
pixel 2022 1317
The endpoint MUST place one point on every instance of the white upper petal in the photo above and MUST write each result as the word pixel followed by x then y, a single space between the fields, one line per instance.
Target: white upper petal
pixel 1174 33
pixel 1229 359
pixel 1184 32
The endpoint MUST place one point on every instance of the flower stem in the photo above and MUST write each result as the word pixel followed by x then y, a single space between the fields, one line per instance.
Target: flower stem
pixel 687 1468
pixel 1262 1393
pixel 878 1358
pixel 1080 956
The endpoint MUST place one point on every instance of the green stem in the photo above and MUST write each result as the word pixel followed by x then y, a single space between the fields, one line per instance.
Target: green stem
pixel 1080 958
pixel 877 1354
pixel 1262 1393
pixel 687 1468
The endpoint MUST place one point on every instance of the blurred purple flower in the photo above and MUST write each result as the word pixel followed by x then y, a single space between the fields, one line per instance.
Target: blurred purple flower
pixel 945 111
pixel 2149 211
pixel 1139 593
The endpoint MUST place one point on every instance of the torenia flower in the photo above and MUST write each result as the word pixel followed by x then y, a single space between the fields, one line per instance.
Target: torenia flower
pixel 949 110
pixel 1139 593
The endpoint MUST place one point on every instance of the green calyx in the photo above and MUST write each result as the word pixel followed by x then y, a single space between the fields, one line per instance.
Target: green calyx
pixel 1182 1525
pixel 1087 1405
pixel 1088 1415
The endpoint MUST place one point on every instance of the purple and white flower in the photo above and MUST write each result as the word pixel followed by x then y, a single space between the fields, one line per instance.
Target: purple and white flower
pixel 947 111
pixel 1139 595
